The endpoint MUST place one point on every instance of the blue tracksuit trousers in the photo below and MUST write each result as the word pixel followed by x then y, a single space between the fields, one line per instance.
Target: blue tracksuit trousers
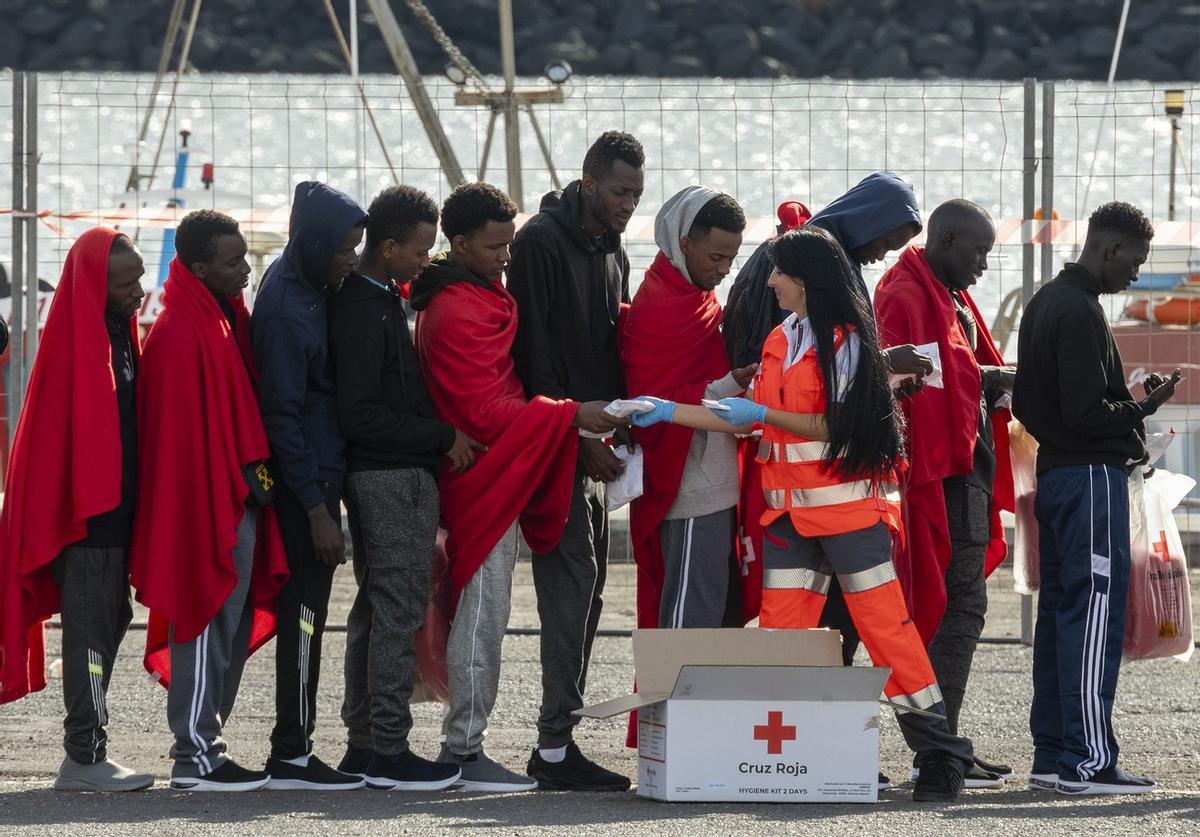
pixel 1083 515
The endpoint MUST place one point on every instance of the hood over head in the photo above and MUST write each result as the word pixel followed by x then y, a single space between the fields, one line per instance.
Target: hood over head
pixel 675 219
pixel 321 217
pixel 877 204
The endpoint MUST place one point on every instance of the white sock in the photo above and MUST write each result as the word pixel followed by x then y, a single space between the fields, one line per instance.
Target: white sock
pixel 553 754
pixel 298 762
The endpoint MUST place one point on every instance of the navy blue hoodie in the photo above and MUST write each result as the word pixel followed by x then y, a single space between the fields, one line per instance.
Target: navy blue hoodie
pixel 290 333
pixel 876 205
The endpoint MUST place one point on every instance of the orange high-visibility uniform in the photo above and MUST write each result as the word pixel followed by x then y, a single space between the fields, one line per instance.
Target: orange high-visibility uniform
pixel 820 502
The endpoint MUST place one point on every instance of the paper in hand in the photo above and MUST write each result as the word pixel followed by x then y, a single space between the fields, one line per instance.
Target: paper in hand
pixel 625 407
pixel 934 378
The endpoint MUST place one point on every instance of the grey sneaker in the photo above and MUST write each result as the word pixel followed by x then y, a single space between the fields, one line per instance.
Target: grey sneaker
pixel 102 776
pixel 481 773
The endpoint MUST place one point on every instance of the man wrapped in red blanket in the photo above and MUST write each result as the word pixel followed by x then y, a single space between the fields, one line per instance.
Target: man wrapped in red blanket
pixel 465 329
pixel 959 476
pixel 206 557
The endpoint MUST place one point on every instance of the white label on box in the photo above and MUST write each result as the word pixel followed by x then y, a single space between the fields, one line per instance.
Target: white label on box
pixel 652 733
pixel 759 751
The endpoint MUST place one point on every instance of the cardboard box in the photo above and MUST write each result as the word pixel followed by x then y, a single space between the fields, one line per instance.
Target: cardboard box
pixel 751 715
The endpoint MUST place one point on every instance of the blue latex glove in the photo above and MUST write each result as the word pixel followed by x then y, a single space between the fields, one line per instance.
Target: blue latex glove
pixel 741 411
pixel 663 411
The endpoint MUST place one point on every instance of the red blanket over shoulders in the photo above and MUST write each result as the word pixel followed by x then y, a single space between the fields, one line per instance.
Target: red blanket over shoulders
pixel 671 348
pixel 912 306
pixel 65 465
pixel 464 337
pixel 198 423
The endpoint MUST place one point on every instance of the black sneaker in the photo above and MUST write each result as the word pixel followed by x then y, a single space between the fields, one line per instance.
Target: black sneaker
pixel 230 776
pixel 941 778
pixel 885 783
pixel 1114 780
pixel 408 771
pixel 974 778
pixel 316 775
pixel 355 761
pixel 1002 770
pixel 575 772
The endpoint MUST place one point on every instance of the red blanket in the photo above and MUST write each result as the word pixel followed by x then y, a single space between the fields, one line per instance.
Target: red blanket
pixel 464 335
pixel 671 348
pixel 65 465
pixel 198 423
pixel 912 306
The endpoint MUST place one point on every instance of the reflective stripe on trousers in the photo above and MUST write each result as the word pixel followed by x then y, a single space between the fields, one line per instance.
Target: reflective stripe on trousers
pixel 928 697
pixel 796 578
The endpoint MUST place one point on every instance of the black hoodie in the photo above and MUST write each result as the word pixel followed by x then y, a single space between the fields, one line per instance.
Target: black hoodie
pixel 440 274
pixel 569 286
pixel 383 406
pixel 290 334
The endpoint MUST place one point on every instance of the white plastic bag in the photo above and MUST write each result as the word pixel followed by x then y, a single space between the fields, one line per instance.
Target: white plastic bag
pixel 1158 616
pixel 1022 451
pixel 628 486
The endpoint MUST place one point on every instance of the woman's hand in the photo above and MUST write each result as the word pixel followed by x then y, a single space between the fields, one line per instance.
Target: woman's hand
pixel 740 411
pixel 663 411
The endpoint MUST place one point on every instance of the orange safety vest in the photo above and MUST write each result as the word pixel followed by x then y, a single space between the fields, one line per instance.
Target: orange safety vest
pixel 796 479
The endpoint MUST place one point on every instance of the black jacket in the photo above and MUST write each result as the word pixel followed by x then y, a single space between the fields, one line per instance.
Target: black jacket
pixel 290 333
pixel 569 286
pixel 383 407
pixel 1070 391
pixel 752 311
pixel 115 527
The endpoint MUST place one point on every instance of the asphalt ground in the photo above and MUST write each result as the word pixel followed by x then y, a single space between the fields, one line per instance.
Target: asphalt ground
pixel 1156 720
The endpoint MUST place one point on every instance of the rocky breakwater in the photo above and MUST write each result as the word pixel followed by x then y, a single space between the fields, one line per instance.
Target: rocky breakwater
pixel 993 39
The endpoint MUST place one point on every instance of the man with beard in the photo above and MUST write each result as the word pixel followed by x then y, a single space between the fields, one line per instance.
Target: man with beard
pixel 569 275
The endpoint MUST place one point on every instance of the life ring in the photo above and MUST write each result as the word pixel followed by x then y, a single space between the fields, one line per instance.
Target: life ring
pixel 1037 214
pixel 1170 311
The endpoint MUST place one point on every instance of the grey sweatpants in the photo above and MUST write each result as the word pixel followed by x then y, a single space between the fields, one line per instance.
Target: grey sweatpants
pixel 953 646
pixel 697 552
pixel 393 528
pixel 206 672
pixel 569 581
pixel 473 649
pixel 93 585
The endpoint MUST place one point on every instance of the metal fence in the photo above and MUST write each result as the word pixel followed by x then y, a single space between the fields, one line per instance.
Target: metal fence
pixel 125 150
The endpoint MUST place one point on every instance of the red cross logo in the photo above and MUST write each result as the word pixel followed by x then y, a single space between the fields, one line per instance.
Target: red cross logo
pixel 1161 549
pixel 774 732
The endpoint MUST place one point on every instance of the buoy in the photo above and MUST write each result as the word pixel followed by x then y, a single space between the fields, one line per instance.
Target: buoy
pixel 1037 214
pixel 1171 311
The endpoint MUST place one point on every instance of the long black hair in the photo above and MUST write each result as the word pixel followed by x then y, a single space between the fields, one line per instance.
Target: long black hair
pixel 864 428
